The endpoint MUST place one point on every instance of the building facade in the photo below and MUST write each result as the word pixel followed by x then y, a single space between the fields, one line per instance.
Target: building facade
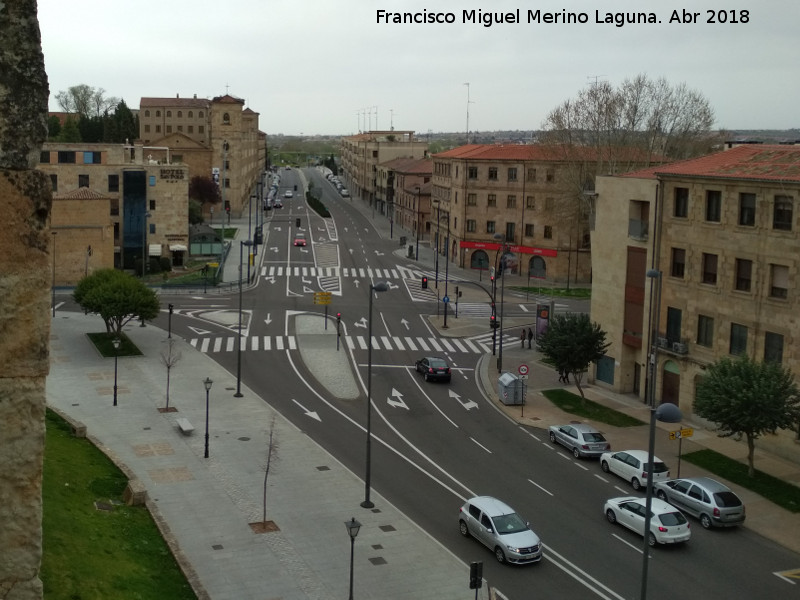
pixel 718 236
pixel 404 188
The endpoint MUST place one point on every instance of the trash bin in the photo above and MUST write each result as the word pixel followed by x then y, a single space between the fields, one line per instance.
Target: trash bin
pixel 410 251
pixel 510 389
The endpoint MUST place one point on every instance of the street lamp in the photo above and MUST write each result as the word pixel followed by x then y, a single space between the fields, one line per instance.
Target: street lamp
pixel 447 265
pixel 436 257
pixel 169 320
pixel 145 256
pixel 381 286
pixel 418 207
pixel 500 236
pixel 207 383
pixel 352 528
pixel 242 244
pixel 54 273
pixel 116 343
pixel 249 232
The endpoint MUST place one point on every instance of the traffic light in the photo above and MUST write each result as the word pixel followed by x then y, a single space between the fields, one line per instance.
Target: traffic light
pixel 475 575
pixel 297 222
pixel 493 322
pixel 171 306
pixel 424 283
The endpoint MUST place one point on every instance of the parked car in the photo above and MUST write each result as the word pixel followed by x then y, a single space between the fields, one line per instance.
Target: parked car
pixel 582 440
pixel 667 523
pixel 433 368
pixel 300 239
pixel 631 465
pixel 499 528
pixel 709 500
pixel 344 192
pixel 288 194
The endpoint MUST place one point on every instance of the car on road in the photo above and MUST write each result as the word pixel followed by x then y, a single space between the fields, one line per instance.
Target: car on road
pixel 631 465
pixel 344 192
pixel 714 503
pixel 499 528
pixel 288 194
pixel 581 439
pixel 300 239
pixel 433 368
pixel 277 203
pixel 667 523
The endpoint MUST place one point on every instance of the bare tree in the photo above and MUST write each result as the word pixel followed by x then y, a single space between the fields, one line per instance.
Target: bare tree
pixel 272 451
pixel 170 358
pixel 86 101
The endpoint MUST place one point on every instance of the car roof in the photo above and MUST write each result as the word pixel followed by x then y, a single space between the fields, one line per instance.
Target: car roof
pixel 640 454
pixel 657 505
pixel 712 485
pixel 433 358
pixel 491 506
pixel 582 427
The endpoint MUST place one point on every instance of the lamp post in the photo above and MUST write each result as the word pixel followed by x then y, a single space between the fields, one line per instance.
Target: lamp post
pixel 169 320
pixel 418 207
pixel 145 256
pixel 116 342
pixel 207 383
pixel 446 263
pixel 500 236
pixel 380 286
pixel 436 256
pixel 53 286
pixel 249 233
pixel 86 266
pixel 352 528
pixel 238 393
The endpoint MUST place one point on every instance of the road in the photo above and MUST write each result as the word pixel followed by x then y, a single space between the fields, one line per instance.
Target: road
pixel 434 445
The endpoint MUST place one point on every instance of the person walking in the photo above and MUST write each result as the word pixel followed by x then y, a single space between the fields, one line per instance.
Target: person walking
pixel 530 337
pixel 522 339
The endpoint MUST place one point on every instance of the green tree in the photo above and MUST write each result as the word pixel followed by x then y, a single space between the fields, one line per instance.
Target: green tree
pixel 744 397
pixel 572 341
pixel 53 127
pixel 117 297
pixel 195 212
pixel 70 132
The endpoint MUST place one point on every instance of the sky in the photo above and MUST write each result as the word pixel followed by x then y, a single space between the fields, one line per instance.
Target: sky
pixel 329 67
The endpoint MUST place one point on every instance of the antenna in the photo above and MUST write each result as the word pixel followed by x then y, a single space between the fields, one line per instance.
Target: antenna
pixel 468 103
pixel 391 119
pixel 376 117
pixel 595 77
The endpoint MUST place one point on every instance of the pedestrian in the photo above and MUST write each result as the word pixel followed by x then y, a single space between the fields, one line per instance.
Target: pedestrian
pixel 522 339
pixel 530 337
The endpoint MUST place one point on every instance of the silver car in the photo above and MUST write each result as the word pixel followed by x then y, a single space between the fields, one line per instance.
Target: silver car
pixel 582 440
pixel 499 528
pixel 704 498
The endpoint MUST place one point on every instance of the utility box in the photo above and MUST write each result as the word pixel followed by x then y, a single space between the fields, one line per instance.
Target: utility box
pixel 511 389
pixel 410 251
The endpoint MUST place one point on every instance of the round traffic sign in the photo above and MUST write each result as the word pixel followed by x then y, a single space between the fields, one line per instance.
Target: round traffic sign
pixel 446 299
pixel 523 369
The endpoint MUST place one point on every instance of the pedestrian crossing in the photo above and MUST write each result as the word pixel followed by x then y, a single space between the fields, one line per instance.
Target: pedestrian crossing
pixel 397 272
pixel 474 345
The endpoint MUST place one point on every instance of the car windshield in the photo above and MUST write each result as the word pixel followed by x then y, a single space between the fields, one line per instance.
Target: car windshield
pixel 727 499
pixel 659 467
pixel 505 524
pixel 671 519
pixel 593 437
pixel 437 363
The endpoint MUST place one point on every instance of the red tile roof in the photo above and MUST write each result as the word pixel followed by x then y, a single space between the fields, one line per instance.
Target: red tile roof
pixel 410 165
pixel 82 193
pixel 753 162
pixel 539 152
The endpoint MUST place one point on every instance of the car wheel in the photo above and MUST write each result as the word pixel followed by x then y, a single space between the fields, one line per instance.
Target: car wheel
pixel 661 495
pixel 651 540
pixel 612 518
pixel 427 378
pixel 462 527
pixel 705 521
pixel 637 485
pixel 499 555
pixel 552 437
pixel 604 466
pixel 576 453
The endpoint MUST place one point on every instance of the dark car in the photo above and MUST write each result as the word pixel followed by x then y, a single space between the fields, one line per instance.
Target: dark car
pixel 433 368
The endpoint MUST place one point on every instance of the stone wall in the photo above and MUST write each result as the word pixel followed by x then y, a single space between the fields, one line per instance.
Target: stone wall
pixel 24 298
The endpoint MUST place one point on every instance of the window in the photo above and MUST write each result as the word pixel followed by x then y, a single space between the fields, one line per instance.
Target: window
pixel 511 201
pixel 374 154
pixel 550 175
pixel 548 232
pixel 472 173
pixel 782 213
pixel 773 347
pixel 169 114
pixel 747 210
pixel 678 262
pixel 54 183
pixel 705 331
pixel 116 230
pixel 491 200
pixel 113 183
pixel 531 176
pixel 83 181
pixel 713 206
pixel 744 274
pixel 738 339
pixel 147 128
pixel 530 203
pixel 510 232
pixel 147 113
pixel 66 157
pixel 158 113
pixel 493 173
pixel 471 225
pixel 190 114
pixel 190 128
pixel 158 128
pixel 472 199
pixel 152 205
pixel 115 207
pixel 489 226
pixel 180 114
pixel 680 204
pixel 512 173
pixel 180 127
pixel 779 281
pixel 201 129
pixel 200 114
pixel 709 268
pixel 226 119
pixel 44 157
pixel 169 128
pixel 528 229
pixel 152 228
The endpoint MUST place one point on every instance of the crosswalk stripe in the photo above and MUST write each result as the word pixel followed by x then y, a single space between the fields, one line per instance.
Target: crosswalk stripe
pixel 434 344
pixel 422 344
pixel 193 343
pixel 292 343
pixel 279 343
pixel 217 344
pixel 471 345
pixel 458 344
pixel 204 345
pixel 362 343
pixel 267 342
pixel 387 343
pixel 351 345
pixel 254 343
pixel 399 343
pixel 411 345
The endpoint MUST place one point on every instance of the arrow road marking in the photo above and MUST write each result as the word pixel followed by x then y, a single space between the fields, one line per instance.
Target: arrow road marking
pixel 361 323
pixel 199 331
pixel 468 404
pixel 404 322
pixel 268 320
pixel 398 401
pixel 309 413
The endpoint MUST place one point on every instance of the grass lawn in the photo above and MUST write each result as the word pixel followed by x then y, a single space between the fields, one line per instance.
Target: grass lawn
pixel 580 293
pixel 775 490
pixel 93 554
pixel 573 404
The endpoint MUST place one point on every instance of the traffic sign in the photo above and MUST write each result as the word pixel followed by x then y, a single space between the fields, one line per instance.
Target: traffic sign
pixel 446 299
pixel 683 433
pixel 523 369
pixel 322 297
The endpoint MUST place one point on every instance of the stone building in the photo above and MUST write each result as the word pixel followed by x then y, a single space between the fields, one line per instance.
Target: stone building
pixel 362 153
pixel 215 138
pixel 722 231
pixel 403 187
pixel 132 206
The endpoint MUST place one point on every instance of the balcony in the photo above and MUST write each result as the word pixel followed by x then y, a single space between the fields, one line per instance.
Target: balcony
pixel 638 229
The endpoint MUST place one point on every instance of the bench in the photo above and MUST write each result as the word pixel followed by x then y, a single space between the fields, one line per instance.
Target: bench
pixel 184 425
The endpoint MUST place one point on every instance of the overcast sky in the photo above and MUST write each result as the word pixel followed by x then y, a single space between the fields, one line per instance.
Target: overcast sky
pixel 328 66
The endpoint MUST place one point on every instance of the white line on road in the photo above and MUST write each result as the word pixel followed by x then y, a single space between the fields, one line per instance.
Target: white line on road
pixel 481 445
pixel 540 487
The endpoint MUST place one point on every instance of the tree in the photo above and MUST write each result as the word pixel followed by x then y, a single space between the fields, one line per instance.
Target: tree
pixel 170 358
pixel 53 127
pixel 204 189
pixel 86 101
pixel 272 450
pixel 744 397
pixel 69 132
pixel 117 297
pixel 572 341
pixel 195 212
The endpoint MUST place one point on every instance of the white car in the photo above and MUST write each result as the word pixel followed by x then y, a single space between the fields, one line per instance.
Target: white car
pixel 288 194
pixel 667 523
pixel 499 528
pixel 631 465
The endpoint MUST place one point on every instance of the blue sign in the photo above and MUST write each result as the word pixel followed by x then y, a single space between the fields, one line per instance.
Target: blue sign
pixel 446 299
